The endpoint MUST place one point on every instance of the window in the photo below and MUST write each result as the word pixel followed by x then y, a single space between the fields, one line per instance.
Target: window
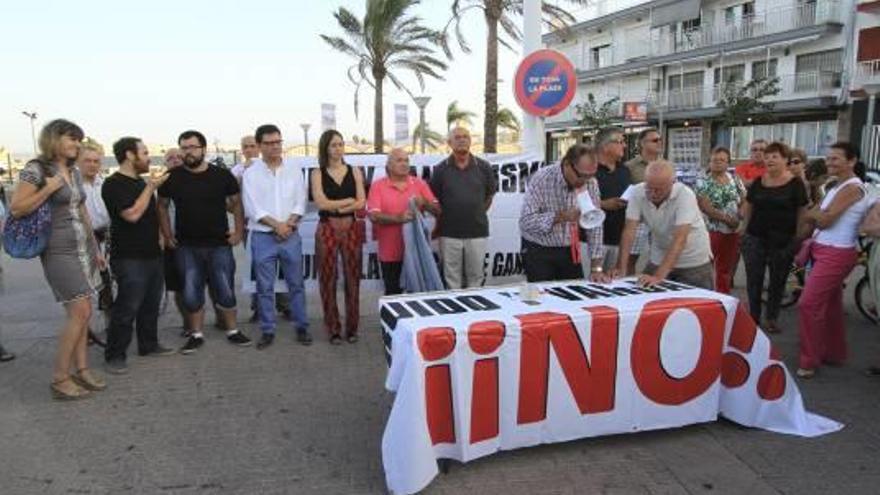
pixel 827 136
pixel 686 91
pixel 730 74
pixel 806 137
pixel 741 138
pixel 736 13
pixel 687 35
pixel 820 70
pixel 763 70
pixel 600 57
pixel 784 133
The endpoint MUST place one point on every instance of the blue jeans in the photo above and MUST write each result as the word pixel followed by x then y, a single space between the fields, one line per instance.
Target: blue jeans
pixel 139 283
pixel 214 266
pixel 267 253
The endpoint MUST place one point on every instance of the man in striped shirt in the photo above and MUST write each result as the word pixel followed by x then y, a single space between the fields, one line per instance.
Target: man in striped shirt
pixel 549 220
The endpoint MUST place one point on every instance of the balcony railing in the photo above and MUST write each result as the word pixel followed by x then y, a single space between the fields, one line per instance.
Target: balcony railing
pixel 791 86
pixel 759 24
pixel 867 72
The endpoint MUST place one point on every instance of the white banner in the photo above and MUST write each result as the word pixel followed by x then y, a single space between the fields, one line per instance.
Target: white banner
pixel 503 260
pixel 478 371
pixel 328 116
pixel 401 124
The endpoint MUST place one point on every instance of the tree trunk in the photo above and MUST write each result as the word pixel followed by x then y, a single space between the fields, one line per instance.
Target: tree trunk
pixel 490 112
pixel 378 134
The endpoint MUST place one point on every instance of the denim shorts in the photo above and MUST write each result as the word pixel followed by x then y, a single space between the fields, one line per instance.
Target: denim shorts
pixel 201 266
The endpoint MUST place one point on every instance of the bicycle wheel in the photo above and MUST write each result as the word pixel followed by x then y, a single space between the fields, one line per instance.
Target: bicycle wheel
pixel 865 301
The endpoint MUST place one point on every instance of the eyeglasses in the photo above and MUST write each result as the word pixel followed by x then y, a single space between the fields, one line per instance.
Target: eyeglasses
pixel 273 143
pixel 758 149
pixel 578 173
pixel 795 161
pixel 655 140
pixel 191 148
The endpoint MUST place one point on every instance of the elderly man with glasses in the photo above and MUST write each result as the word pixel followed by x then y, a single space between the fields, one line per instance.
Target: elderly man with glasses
pixel 613 179
pixel 755 167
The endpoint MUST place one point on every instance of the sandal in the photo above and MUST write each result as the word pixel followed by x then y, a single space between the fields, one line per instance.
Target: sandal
pixel 872 371
pixel 74 392
pixel 88 380
pixel 335 340
pixel 770 327
pixel 352 338
pixel 806 373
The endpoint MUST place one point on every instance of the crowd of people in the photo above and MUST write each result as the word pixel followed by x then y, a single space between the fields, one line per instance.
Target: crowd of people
pixel 151 232
pixel 769 209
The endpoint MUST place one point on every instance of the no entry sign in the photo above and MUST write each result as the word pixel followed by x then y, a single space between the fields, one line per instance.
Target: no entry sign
pixel 545 83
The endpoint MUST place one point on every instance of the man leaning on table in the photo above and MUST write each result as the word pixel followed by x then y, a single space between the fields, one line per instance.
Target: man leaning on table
pixel 679 239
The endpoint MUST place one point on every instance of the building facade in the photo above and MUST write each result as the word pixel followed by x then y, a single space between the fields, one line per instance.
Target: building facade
pixel 676 59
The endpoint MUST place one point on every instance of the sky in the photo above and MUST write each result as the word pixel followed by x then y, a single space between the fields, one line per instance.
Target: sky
pixel 153 69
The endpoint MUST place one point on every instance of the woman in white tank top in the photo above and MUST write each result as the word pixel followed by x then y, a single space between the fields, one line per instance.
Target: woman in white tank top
pixel 834 252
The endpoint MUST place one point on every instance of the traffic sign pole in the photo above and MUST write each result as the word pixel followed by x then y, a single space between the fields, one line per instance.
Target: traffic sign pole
pixel 532 138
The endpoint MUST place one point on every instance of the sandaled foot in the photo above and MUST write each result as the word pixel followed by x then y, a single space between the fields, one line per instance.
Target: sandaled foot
pixel 771 327
pixel 335 340
pixel 67 389
pixel 806 373
pixel 352 338
pixel 88 380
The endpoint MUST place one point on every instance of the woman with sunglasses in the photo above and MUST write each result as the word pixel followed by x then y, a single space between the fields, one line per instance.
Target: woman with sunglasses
pixel 71 259
pixel 797 165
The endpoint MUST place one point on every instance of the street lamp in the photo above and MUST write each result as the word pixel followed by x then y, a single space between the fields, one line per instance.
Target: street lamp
pixel 422 102
pixel 32 116
pixel 305 128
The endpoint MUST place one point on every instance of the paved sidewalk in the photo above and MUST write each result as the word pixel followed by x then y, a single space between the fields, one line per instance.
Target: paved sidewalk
pixel 301 420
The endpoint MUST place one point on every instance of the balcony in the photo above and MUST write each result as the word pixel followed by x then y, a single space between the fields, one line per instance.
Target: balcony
pixel 867 74
pixel 764 23
pixel 569 116
pixel 799 86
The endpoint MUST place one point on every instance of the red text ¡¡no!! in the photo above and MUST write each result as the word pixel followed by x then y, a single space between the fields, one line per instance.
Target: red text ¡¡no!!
pixel 591 379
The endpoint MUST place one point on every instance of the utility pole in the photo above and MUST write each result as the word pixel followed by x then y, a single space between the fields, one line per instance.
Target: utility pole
pixel 422 102
pixel 32 116
pixel 305 128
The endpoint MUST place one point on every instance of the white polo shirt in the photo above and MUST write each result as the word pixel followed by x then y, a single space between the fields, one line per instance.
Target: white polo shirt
pixel 680 208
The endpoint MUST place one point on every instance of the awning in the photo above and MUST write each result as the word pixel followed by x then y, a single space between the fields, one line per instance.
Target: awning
pixel 682 10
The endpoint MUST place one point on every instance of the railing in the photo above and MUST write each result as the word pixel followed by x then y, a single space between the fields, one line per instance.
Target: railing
pixel 791 86
pixel 867 72
pixel 747 27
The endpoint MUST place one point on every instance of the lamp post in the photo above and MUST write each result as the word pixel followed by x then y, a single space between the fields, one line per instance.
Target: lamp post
pixel 305 128
pixel 32 116
pixel 422 102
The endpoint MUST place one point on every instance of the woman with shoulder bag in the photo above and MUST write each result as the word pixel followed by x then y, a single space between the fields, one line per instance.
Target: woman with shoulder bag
pixel 338 191
pixel 834 252
pixel 71 260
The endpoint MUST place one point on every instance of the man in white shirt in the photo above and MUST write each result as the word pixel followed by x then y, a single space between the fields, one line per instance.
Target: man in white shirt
pixel 275 198
pixel 679 239
pixel 89 164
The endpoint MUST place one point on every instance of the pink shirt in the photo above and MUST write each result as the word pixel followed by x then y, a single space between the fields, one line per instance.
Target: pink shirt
pixel 390 199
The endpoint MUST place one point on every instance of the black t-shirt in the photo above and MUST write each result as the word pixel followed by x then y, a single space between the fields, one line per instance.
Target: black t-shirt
pixel 200 204
pixel 130 240
pixel 774 211
pixel 612 185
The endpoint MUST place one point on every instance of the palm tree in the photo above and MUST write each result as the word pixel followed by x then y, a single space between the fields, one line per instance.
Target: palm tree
pixel 386 40
pixel 433 139
pixel 456 115
pixel 507 120
pixel 500 13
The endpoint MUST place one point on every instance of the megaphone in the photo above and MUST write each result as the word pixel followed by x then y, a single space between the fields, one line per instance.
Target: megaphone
pixel 591 215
